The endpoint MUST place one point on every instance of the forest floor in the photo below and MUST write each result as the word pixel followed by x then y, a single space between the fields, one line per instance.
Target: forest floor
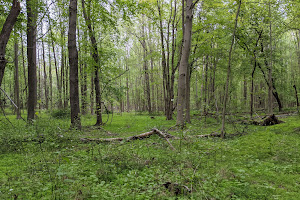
pixel 47 160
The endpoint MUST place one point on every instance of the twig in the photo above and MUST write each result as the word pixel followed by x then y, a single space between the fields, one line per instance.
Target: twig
pixel 9 98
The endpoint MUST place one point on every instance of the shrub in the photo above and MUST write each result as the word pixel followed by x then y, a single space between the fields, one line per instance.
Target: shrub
pixel 61 113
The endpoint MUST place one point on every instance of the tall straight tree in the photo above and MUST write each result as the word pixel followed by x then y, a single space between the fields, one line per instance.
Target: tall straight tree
pixel 31 54
pixel 229 70
pixel 73 61
pixel 5 33
pixel 96 68
pixel 184 62
pixel 17 91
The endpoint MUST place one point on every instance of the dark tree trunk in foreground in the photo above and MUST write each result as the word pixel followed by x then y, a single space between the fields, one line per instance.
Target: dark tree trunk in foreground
pixel 184 64
pixel 96 68
pixel 73 61
pixel 5 33
pixel 31 55
pixel 228 72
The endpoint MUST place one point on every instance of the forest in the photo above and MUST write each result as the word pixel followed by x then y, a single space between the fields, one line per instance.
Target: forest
pixel 149 99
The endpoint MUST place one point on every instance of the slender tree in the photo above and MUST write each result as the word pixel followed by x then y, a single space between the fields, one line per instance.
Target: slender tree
pixel 95 56
pixel 229 70
pixel 73 61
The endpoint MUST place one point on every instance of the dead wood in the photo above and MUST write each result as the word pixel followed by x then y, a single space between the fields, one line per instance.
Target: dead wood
pixel 213 134
pixel 271 120
pixel 135 137
pixel 176 188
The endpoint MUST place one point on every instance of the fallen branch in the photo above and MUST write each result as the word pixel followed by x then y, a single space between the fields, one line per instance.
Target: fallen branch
pixel 135 137
pixel 213 134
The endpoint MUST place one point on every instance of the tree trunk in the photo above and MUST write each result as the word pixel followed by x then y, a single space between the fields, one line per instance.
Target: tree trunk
pixel 297 99
pixel 228 72
pixel 31 55
pixel 50 79
pixel 127 88
pixel 39 91
pixel 17 95
pixel 270 91
pixel 24 68
pixel 5 34
pixel 45 78
pixel 73 61
pixel 252 89
pixel 95 56
pixel 188 95
pixel 184 64
pixel 92 94
pixel 58 83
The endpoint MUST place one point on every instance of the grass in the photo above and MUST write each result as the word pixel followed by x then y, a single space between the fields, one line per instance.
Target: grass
pixel 46 160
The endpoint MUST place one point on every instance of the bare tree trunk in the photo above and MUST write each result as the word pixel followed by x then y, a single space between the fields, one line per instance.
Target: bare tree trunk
pixel 17 93
pixel 127 89
pixel 39 91
pixel 31 55
pixel 228 72
pixel 146 71
pixel 96 68
pixel 58 83
pixel 205 87
pixel 245 91
pixel 297 99
pixel 92 94
pixel 270 91
pixel 73 61
pixel 5 34
pixel 24 68
pixel 184 63
pixel 188 95
pixel 50 79
pixel 45 78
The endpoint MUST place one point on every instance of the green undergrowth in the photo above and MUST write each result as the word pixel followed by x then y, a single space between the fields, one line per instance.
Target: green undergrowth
pixel 47 160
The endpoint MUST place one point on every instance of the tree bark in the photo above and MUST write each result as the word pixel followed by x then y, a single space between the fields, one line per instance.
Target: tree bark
pixel 95 56
pixel 73 61
pixel 50 79
pixel 184 64
pixel 297 99
pixel 228 71
pixel 17 87
pixel 45 78
pixel 146 71
pixel 31 55
pixel 270 90
pixel 5 34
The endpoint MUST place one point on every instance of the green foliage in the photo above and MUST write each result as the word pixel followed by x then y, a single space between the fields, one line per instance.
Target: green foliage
pixel 47 161
pixel 61 113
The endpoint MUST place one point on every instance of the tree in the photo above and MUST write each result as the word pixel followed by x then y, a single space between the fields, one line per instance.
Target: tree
pixel 229 70
pixel 73 61
pixel 184 63
pixel 31 55
pixel 95 56
pixel 5 34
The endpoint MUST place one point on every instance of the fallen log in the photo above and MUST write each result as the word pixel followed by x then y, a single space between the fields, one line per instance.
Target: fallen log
pixel 213 134
pixel 271 120
pixel 135 137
